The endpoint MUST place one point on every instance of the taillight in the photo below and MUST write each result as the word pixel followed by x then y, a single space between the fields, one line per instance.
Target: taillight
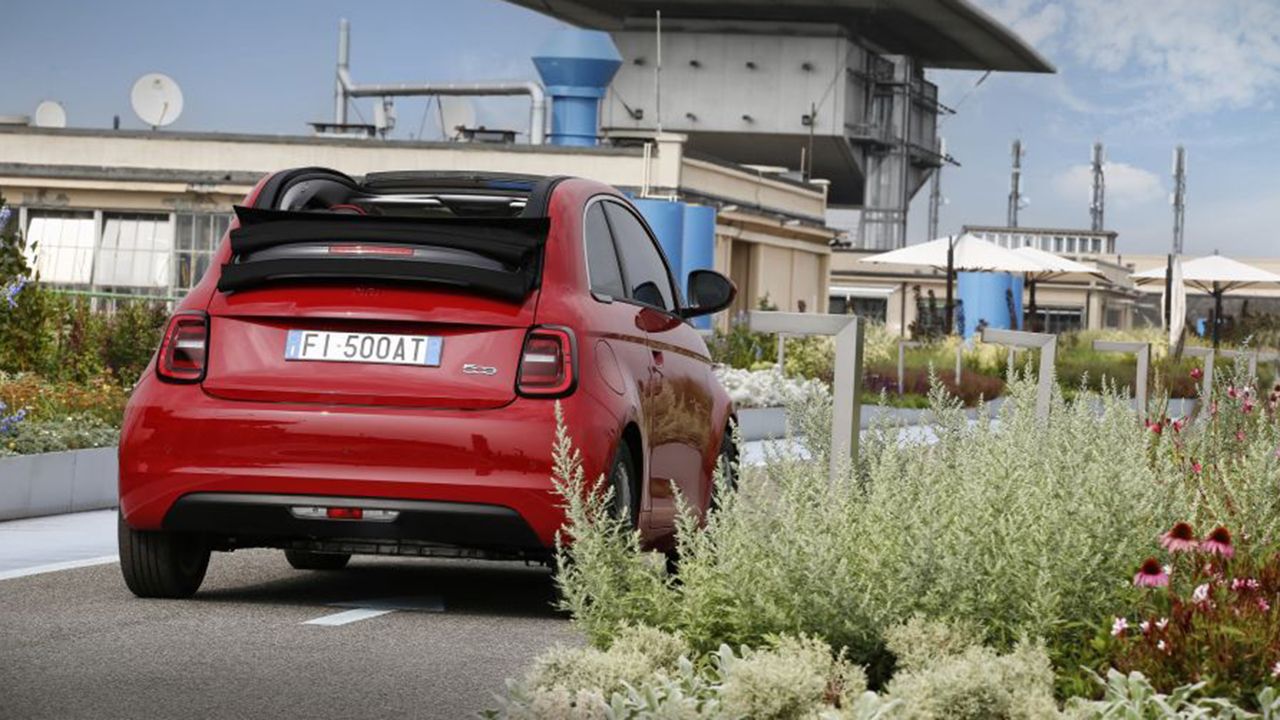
pixel 185 348
pixel 548 362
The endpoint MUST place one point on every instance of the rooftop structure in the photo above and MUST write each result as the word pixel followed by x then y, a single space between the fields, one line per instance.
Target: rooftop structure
pixel 833 88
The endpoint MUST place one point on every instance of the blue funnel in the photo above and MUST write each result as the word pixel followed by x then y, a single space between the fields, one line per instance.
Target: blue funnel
pixel 576 66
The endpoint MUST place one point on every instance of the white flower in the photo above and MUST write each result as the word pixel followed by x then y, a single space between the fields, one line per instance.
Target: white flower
pixel 1201 594
pixel 1119 626
pixel 1162 623
pixel 1145 626
pixel 1275 670
pixel 1161 646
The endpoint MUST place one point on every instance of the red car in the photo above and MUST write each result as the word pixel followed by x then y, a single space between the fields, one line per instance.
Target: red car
pixel 373 367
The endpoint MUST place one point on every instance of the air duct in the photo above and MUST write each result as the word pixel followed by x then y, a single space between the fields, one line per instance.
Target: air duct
pixel 577 67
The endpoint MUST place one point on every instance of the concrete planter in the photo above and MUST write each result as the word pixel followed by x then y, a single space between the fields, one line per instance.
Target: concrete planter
pixel 762 423
pixel 59 482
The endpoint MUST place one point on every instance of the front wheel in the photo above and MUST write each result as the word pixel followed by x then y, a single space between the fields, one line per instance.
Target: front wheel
pixel 159 564
pixel 307 560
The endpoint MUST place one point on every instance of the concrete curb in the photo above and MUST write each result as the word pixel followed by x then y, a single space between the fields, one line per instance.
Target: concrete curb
pixel 56 483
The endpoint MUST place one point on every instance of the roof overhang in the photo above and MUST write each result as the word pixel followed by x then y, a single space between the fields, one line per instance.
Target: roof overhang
pixel 949 34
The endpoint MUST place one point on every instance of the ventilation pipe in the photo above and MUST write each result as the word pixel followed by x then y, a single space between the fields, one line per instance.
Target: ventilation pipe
pixel 577 67
pixel 346 88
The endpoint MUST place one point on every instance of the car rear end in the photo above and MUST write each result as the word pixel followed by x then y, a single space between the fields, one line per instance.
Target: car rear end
pixel 368 376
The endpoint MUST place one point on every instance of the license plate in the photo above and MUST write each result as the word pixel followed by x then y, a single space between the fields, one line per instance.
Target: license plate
pixel 359 347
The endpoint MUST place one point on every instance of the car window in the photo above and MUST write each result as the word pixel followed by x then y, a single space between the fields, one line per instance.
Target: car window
pixel 602 257
pixel 646 273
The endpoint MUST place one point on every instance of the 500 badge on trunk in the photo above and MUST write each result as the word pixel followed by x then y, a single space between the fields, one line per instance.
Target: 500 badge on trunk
pixel 360 347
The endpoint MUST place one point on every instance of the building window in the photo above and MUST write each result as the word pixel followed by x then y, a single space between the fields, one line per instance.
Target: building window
pixel 134 252
pixel 198 235
pixel 1056 320
pixel 871 308
pixel 60 246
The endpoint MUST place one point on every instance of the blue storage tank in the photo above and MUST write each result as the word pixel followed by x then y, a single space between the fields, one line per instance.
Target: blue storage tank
pixel 985 298
pixel 666 217
pixel 577 67
pixel 698 248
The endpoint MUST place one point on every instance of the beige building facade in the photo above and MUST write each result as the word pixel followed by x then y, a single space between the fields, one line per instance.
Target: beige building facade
pixel 127 212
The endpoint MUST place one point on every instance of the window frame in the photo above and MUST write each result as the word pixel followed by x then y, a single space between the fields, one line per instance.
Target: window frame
pixel 677 299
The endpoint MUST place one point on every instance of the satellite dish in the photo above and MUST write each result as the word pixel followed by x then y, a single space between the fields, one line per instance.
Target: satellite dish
pixel 456 112
pixel 50 114
pixel 156 99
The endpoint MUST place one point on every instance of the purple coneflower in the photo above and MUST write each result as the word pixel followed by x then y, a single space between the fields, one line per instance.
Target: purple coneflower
pixel 1219 542
pixel 1151 574
pixel 1180 538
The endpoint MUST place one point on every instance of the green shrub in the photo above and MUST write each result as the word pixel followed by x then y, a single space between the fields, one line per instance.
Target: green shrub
pixel 1133 697
pixel 76 432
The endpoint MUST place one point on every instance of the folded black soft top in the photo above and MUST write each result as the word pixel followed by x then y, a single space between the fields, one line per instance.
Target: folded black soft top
pixel 515 242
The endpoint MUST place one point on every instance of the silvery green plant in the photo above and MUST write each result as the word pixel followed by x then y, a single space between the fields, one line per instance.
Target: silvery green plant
pixel 1131 697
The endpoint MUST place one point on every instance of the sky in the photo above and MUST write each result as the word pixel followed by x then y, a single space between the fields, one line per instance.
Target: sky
pixel 1139 75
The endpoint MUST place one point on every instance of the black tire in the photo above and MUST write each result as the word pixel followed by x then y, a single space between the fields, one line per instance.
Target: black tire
pixel 307 560
pixel 624 481
pixel 159 564
pixel 728 457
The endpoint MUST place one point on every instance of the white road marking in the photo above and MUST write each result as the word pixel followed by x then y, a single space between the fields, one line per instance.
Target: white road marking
pixel 347 616
pixel 58 567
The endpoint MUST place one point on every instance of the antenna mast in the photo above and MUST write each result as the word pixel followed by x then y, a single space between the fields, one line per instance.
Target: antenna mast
pixel 1097 201
pixel 657 74
pixel 1015 184
pixel 935 201
pixel 1179 196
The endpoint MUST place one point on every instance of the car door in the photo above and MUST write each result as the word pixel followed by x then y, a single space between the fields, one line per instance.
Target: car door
pixel 679 402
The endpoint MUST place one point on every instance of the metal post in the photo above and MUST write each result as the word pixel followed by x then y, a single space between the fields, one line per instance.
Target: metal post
pixel 782 349
pixel 1143 351
pixel 951 271
pixel 1048 346
pixel 1217 313
pixel 846 421
pixel 344 63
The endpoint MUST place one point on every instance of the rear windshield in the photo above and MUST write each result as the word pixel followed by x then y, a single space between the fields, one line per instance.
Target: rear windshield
pixel 323 227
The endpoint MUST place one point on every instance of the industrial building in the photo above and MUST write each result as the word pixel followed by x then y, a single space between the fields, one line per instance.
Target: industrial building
pixel 735 132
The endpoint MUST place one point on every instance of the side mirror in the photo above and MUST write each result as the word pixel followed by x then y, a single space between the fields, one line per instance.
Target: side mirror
pixel 709 292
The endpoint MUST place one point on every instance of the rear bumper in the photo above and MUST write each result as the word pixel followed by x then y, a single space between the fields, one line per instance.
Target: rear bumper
pixel 178 442
pixel 252 519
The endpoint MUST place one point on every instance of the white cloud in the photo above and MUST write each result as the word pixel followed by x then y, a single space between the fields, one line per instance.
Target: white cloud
pixel 1126 185
pixel 1177 57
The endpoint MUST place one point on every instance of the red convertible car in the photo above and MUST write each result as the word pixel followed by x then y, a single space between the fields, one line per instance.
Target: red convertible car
pixel 372 366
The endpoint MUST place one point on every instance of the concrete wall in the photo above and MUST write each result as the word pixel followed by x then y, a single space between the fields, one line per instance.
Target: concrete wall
pixel 54 483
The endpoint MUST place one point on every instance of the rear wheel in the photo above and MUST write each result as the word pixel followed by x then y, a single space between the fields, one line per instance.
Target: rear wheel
pixel 727 459
pixel 159 564
pixel 307 560
pixel 622 478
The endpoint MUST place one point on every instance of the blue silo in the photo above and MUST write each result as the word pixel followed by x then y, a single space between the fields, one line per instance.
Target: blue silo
pixel 577 67
pixel 985 298
pixel 698 247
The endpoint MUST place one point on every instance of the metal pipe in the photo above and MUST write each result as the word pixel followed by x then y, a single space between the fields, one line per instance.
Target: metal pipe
pixel 340 81
pixel 537 96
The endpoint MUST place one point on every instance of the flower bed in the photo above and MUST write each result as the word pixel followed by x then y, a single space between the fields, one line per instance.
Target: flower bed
pixel 1033 534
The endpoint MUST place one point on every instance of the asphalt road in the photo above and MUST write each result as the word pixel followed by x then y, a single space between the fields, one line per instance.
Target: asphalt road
pixel 77 644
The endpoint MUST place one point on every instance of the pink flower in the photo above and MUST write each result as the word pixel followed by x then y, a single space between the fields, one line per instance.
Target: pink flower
pixel 1231 392
pixel 1155 427
pixel 1248 406
pixel 1180 538
pixel 1179 424
pixel 1275 670
pixel 1196 373
pixel 1196 467
pixel 1263 605
pixel 1119 626
pixel 1239 436
pixel 1151 574
pixel 1219 542
pixel 1244 584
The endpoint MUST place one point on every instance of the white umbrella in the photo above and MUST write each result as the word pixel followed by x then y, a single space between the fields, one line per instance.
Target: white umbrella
pixel 1056 267
pixel 958 252
pixel 1215 275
